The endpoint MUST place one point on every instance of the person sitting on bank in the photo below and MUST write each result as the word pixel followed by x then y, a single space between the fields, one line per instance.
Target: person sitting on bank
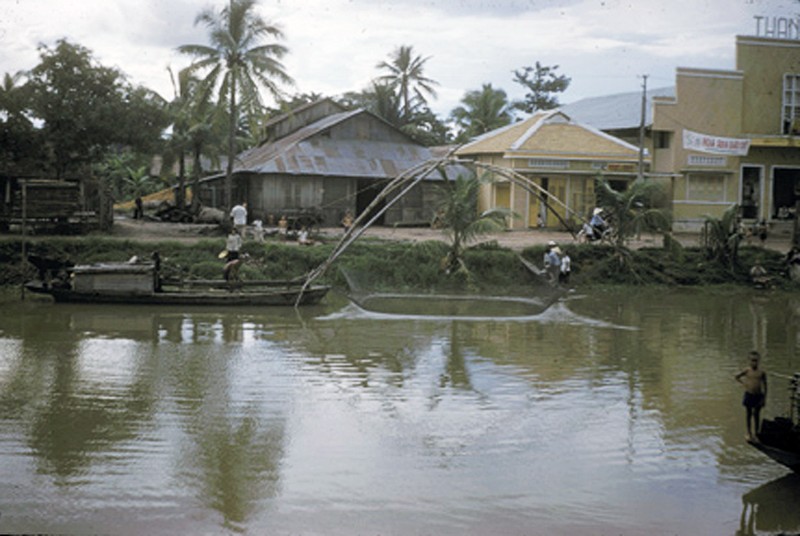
pixel 754 380
pixel 283 226
pixel 303 238
pixel 759 275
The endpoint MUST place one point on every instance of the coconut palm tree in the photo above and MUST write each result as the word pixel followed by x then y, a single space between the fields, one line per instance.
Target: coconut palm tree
pixel 481 111
pixel 197 125
pixel 238 65
pixel 459 218
pixel 405 75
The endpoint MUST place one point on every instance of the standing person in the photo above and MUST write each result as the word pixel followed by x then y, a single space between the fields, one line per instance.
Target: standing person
pixel 566 268
pixel 347 221
pixel 754 380
pixel 232 245
pixel 552 262
pixel 239 215
pixel 761 230
pixel 138 212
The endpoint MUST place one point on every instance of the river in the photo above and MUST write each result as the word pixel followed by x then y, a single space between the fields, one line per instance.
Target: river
pixel 613 412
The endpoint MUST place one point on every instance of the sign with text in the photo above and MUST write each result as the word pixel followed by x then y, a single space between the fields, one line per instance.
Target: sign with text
pixel 778 27
pixel 704 143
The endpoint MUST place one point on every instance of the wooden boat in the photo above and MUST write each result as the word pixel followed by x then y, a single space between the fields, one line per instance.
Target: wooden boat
pixel 779 438
pixel 140 283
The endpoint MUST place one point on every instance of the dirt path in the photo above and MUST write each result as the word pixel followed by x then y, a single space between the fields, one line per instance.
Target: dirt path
pixel 517 240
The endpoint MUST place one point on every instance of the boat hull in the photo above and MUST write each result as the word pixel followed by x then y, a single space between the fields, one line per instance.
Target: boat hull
pixel 218 298
pixel 780 440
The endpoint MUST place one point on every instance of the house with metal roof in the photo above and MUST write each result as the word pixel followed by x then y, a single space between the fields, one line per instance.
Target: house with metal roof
pixel 561 156
pixel 324 158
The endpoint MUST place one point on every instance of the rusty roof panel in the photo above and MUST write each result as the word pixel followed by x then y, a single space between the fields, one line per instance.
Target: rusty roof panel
pixel 314 150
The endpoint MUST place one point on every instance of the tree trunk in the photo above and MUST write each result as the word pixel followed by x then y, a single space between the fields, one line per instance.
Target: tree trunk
pixel 228 197
pixel 180 193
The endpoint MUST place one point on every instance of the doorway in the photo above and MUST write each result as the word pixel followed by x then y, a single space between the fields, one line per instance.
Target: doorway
pixel 751 191
pixel 785 193
pixel 368 191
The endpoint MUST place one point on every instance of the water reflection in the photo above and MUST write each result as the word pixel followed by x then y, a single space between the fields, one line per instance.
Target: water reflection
pixel 577 420
pixel 772 507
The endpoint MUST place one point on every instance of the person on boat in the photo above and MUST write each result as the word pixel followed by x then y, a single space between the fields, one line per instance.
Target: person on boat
pixel 232 245
pixel 156 256
pixel 754 380
pixel 239 216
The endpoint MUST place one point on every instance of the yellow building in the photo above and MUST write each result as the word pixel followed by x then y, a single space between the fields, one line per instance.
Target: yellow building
pixel 558 154
pixel 733 136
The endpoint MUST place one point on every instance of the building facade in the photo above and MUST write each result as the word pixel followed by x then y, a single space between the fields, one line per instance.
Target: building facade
pixel 733 137
pixel 560 156
pixel 324 159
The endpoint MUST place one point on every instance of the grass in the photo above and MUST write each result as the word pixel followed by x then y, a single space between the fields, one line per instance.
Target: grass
pixel 401 266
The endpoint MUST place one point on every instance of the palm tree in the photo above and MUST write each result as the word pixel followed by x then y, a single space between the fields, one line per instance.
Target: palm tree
pixel 633 210
pixel 461 221
pixel 238 64
pixel 406 77
pixel 722 237
pixel 481 111
pixel 197 124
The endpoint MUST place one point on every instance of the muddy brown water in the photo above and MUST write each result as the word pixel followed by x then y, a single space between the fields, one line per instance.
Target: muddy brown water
pixel 609 413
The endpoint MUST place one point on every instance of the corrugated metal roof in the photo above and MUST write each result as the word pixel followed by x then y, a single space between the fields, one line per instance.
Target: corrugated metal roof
pixel 614 112
pixel 307 152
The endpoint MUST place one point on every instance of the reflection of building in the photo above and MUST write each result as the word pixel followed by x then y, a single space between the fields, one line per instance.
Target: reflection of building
pixel 732 136
pixel 560 155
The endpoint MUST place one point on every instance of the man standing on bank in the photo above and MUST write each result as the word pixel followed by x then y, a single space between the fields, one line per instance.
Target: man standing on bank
pixel 754 380
pixel 239 216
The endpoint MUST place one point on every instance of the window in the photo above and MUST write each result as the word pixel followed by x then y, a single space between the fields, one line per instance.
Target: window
pixel 705 187
pixel 791 104
pixel 661 139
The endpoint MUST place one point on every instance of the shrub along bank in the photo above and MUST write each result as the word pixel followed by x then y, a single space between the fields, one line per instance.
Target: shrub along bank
pixel 372 264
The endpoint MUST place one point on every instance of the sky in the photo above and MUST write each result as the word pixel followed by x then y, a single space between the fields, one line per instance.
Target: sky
pixel 604 46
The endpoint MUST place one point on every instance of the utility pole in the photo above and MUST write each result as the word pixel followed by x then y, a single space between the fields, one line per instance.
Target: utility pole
pixel 641 128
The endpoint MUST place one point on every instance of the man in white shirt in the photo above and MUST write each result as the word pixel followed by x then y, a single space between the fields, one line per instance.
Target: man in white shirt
pixel 239 215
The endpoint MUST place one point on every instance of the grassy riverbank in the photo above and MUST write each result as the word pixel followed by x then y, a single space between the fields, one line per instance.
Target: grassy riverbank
pixel 404 266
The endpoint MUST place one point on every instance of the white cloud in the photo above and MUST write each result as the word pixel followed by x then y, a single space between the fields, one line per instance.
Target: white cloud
pixel 335 45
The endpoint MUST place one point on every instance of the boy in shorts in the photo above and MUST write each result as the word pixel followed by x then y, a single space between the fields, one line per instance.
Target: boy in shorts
pixel 754 380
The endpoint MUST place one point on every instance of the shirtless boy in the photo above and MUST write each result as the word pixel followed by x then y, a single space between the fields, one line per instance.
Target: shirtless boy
pixel 754 380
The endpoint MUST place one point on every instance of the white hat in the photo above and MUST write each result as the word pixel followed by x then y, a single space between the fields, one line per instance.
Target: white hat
pixel 597 211
pixel 551 243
